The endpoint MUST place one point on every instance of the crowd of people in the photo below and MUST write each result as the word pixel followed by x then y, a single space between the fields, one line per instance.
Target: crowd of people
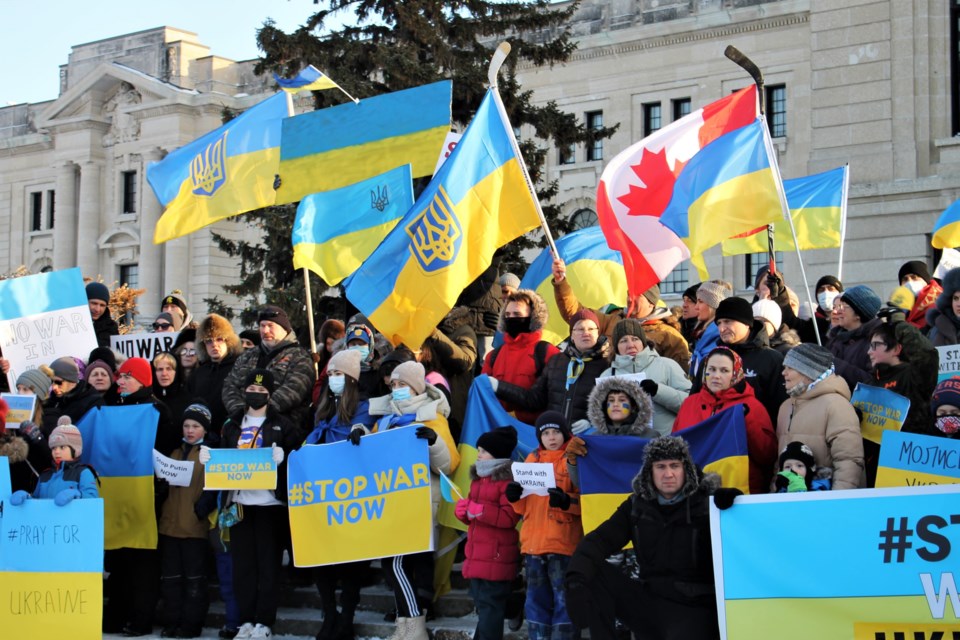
pixel 641 370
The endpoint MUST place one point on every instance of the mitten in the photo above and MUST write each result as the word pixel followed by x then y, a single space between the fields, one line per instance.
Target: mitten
pixel 276 453
pixel 204 455
pixel 428 434
pixel 65 497
pixel 513 491
pixel 17 497
pixel 559 499
pixel 355 434
pixel 649 387
pixel 723 497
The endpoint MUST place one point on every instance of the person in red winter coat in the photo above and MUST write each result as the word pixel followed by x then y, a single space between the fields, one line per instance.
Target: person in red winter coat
pixel 723 387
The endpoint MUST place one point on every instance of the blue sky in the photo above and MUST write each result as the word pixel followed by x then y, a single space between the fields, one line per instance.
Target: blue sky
pixel 35 38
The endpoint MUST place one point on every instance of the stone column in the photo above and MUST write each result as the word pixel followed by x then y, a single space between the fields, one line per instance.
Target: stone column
pixel 65 218
pixel 88 221
pixel 151 255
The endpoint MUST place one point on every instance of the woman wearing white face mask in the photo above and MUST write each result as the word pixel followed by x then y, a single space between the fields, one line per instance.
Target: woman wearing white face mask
pixel 827 290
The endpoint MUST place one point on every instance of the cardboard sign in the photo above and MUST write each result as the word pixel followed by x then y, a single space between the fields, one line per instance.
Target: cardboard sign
pixel 914 460
pixel 22 408
pixel 949 362
pixel 534 477
pixel 240 469
pixel 143 345
pixel 178 473
pixel 883 410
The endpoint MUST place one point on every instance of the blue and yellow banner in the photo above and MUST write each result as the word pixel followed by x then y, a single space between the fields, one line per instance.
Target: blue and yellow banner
pixel 350 503
pixel 335 231
pixel 913 460
pixel 718 445
pixel 946 230
pixel 594 271
pixel 240 469
pixel 335 147
pixel 883 410
pixel 51 564
pixel 861 564
pixel 118 444
pixel 477 202
pixel 308 79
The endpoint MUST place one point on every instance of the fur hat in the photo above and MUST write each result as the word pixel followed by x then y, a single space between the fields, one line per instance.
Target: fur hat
pixel 66 435
pixel 735 308
pixel 712 294
pixel 509 280
pixel 261 377
pixel 331 328
pixel 628 327
pixel 809 360
pixel 98 291
pixel 66 368
pixel 665 448
pixel 348 361
pixel 769 311
pixel 915 267
pixel 39 381
pixel 583 314
pixel 198 412
pixel 552 420
pixel 216 326
pixel 499 442
pixel 864 302
pixel 273 313
pixel 947 392
pixel 139 369
pixel 411 373
pixel 828 280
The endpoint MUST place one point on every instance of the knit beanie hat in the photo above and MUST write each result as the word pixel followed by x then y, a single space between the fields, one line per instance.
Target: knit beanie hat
pixel 864 302
pixel 691 292
pixel 66 435
pixel 915 267
pixel 139 369
pixel 38 382
pixel 250 334
pixel 831 281
pixel 97 364
pixel 499 442
pixel 796 450
pixel 273 313
pixel 583 314
pixel 66 368
pixel 809 360
pixel 652 295
pixel 411 373
pixel 198 412
pixel 711 294
pixel 770 311
pixel 735 308
pixel 98 291
pixel 509 280
pixel 947 392
pixel 628 327
pixel 175 298
pixel 261 377
pixel 552 420
pixel 104 354
pixel 348 361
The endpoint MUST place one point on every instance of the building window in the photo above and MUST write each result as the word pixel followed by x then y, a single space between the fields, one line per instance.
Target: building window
pixel 955 63
pixel 583 218
pixel 651 118
pixel 756 261
pixel 130 275
pixel 594 123
pixel 51 207
pixel 36 211
pixel 676 280
pixel 681 107
pixel 129 180
pixel 776 110
pixel 568 154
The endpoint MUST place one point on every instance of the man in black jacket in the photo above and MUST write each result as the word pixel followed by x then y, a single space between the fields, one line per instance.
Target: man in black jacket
pixel 98 299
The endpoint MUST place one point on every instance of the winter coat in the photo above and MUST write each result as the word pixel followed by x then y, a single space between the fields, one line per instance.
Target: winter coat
pixel 27 458
pixel 761 440
pixel 823 419
pixel 914 378
pixel 175 397
pixel 104 327
pixel 178 516
pixel 673 384
pixel 453 347
pixel 849 349
pixel 807 333
pixel 276 429
pixel 551 390
pixel 69 475
pixel 293 374
pixel 73 404
pixel 548 529
pixel 943 323
pixel 206 383
pixel 169 434
pixel 333 430
pixel 491 552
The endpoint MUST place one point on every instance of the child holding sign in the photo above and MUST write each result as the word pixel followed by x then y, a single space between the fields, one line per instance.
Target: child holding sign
pixel 69 478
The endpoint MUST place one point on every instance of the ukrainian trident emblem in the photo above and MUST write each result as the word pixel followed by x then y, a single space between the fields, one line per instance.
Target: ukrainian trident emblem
pixel 436 234
pixel 208 169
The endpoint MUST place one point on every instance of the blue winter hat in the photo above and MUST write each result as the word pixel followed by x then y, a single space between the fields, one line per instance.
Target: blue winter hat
pixel 864 302
pixel 98 291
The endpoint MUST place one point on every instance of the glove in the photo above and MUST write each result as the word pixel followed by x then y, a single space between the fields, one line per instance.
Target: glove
pixel 460 510
pixel 559 499
pixel 723 498
pixel 789 482
pixel 892 315
pixel 428 434
pixel 778 290
pixel 576 447
pixel 579 602
pixel 513 491
pixel 204 455
pixel 277 453
pixel 65 497
pixel 474 510
pixel 491 319
pixel 30 431
pixel 355 436
pixel 197 511
pixel 580 426
pixel 17 497
pixel 649 387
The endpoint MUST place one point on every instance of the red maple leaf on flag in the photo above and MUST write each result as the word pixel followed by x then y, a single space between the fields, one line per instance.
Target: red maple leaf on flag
pixel 659 178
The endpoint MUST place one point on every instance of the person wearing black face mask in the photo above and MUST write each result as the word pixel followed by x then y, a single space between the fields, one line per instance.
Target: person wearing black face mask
pixel 521 358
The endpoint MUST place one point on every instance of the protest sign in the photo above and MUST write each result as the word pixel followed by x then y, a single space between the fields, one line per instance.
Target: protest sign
pixel 5 488
pixel 240 469
pixel 177 472
pixel 21 407
pixel 883 410
pixel 949 362
pixel 912 460
pixel 51 564
pixel 352 503
pixel 885 568
pixel 534 477
pixel 640 376
pixel 449 144
pixel 44 317
pixel 949 259
pixel 143 345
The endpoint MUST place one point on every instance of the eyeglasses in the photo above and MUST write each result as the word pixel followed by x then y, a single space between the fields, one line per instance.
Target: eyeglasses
pixel 188 352
pixel 57 383
pixel 840 307
pixel 213 341
pixel 878 346
pixel 161 326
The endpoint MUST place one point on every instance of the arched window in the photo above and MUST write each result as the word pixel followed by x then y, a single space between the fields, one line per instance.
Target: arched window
pixel 583 218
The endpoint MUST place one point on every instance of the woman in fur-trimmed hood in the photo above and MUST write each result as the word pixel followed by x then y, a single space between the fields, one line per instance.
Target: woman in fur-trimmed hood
pixel 639 417
pixel 944 319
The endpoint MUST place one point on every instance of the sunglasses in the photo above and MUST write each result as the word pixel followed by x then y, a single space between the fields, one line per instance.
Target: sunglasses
pixel 213 341
pixel 57 383
pixel 161 326
pixel 188 352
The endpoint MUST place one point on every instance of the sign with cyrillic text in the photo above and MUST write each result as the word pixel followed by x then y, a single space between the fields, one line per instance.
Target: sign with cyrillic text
pixel 914 460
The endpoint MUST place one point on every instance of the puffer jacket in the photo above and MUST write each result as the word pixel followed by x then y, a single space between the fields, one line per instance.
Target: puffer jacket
pixel 849 349
pixel 69 475
pixel 673 385
pixel 548 529
pixel 823 419
pixel 491 552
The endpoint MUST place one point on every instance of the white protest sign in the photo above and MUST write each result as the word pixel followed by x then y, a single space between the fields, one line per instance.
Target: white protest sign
pixel 21 408
pixel 177 472
pixel 449 144
pixel 534 477
pixel 143 345
pixel 636 377
pixel 949 362
pixel 950 259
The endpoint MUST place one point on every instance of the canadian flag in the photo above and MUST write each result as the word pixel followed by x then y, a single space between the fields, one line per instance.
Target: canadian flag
pixel 637 185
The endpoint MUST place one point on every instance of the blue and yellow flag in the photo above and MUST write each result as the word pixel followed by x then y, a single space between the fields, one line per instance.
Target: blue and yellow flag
pixel 718 445
pixel 228 171
pixel 594 270
pixel 118 444
pixel 818 206
pixel 946 231
pixel 477 202
pixel 335 231
pixel 309 79
pixel 335 147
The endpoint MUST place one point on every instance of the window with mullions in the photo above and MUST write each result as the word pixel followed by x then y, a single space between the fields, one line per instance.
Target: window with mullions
pixel 676 280
pixel 776 110
pixel 681 107
pixel 129 180
pixel 594 121
pixel 651 118
pixel 568 154
pixel 756 261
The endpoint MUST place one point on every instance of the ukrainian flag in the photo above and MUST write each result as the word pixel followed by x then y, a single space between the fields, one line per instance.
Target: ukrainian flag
pixel 228 171
pixel 818 206
pixel 335 231
pixel 478 201
pixel 118 444
pixel 594 270
pixel 718 445
pixel 946 232
pixel 309 79
pixel 342 145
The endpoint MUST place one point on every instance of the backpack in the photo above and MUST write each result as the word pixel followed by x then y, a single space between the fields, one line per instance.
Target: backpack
pixel 539 356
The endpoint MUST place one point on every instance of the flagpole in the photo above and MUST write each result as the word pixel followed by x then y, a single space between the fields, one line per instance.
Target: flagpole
pixel 843 217
pixel 503 50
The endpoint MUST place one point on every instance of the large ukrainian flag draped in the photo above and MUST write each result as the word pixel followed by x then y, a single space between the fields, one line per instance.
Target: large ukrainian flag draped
pixel 594 270
pixel 118 443
pixel 477 202
pixel 228 171
pixel 335 231
pixel 342 145
pixel 718 445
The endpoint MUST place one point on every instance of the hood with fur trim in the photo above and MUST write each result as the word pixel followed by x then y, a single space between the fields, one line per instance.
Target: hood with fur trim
pixel 951 284
pixel 14 447
pixel 597 414
pixel 538 311
pixel 502 472
pixel 672 448
pixel 216 326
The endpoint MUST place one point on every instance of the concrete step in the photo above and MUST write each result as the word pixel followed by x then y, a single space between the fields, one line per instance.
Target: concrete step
pixel 379 597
